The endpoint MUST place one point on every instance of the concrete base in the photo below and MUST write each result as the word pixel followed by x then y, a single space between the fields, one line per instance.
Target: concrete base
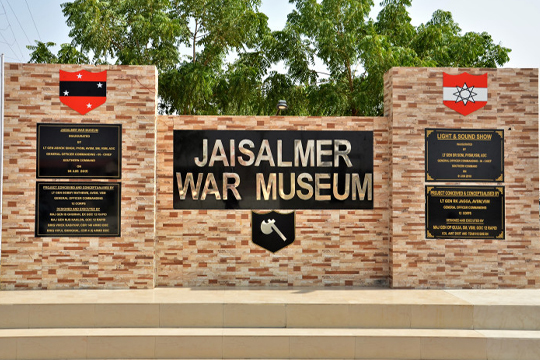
pixel 298 323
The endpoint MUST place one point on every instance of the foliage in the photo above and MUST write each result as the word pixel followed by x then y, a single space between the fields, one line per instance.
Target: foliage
pixel 41 53
pixel 213 29
pixel 68 54
pixel 440 42
pixel 217 57
pixel 335 29
pixel 187 89
pixel 358 51
pixel 130 31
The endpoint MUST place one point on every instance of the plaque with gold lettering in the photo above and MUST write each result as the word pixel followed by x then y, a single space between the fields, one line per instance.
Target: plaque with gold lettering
pixel 78 209
pixel 273 169
pixel 461 212
pixel 464 155
pixel 79 151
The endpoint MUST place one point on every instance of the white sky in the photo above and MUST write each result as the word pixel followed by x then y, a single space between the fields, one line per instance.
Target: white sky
pixel 514 24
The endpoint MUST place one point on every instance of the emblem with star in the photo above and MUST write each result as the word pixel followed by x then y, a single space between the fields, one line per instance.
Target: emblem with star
pixel 465 94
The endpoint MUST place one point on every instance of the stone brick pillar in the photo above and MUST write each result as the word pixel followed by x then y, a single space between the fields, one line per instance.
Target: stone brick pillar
pixel 414 102
pixel 29 262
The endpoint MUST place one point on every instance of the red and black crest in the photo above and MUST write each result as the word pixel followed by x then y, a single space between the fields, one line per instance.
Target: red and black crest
pixel 83 90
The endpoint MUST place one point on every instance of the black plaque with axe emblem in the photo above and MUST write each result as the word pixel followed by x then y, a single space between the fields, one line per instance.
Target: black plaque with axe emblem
pixel 272 230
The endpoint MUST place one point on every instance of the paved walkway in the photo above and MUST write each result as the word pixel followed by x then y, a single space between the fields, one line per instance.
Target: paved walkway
pixel 276 295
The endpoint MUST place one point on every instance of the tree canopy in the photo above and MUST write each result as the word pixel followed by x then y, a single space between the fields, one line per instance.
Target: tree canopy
pixel 219 57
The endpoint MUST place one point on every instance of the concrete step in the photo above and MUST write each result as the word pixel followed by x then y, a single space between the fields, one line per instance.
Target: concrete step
pixel 270 324
pixel 241 343
pixel 326 308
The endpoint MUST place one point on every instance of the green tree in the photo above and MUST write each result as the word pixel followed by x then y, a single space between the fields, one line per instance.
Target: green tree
pixel 440 43
pixel 192 42
pixel 212 30
pixel 335 28
pixel 240 88
pixel 140 32
pixel 68 54
pixel 358 51
pixel 132 32
pixel 41 53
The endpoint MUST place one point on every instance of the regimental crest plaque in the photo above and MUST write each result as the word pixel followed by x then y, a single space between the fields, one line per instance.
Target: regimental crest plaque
pixel 83 91
pixel 465 93
pixel 273 231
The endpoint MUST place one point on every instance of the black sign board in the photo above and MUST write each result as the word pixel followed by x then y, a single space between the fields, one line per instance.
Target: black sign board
pixel 475 212
pixel 231 169
pixel 79 151
pixel 78 209
pixel 464 155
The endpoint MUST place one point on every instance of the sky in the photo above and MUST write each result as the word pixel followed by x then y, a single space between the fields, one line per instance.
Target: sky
pixel 513 24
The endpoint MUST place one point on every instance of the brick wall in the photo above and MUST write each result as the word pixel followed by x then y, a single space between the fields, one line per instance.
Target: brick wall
pixel 161 246
pixel 413 103
pixel 214 247
pixel 32 96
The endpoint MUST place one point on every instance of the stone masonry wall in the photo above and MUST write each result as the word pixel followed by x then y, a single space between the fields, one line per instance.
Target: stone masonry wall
pixel 29 262
pixel 413 103
pixel 161 246
pixel 214 247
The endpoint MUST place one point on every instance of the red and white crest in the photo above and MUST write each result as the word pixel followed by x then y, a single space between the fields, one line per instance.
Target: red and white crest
pixel 83 90
pixel 465 93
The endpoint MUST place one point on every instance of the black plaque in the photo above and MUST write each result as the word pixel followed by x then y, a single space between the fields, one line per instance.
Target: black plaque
pixel 464 155
pixel 289 170
pixel 78 209
pixel 273 231
pixel 461 212
pixel 79 151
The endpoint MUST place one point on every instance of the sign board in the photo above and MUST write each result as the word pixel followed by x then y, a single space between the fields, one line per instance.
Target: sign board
pixel 461 212
pixel 78 209
pixel 79 151
pixel 229 169
pixel 464 155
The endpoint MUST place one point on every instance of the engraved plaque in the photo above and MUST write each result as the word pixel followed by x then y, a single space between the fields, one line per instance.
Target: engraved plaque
pixel 229 169
pixel 79 151
pixel 461 212
pixel 78 209
pixel 464 155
